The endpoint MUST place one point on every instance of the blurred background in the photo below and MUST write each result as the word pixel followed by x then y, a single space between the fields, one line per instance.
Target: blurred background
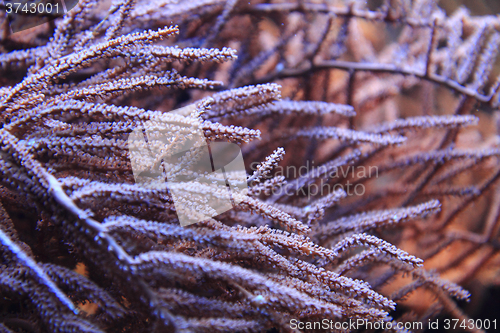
pixel 477 7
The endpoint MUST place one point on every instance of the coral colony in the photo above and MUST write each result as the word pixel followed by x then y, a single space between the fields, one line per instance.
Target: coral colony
pixel 247 166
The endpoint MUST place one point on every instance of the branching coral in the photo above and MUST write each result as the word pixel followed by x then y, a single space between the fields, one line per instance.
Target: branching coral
pixel 84 247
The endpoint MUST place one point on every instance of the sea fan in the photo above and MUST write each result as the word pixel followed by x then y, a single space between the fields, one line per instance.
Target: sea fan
pixel 362 156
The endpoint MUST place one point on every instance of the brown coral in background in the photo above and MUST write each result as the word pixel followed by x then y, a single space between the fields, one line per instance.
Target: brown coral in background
pixel 368 133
